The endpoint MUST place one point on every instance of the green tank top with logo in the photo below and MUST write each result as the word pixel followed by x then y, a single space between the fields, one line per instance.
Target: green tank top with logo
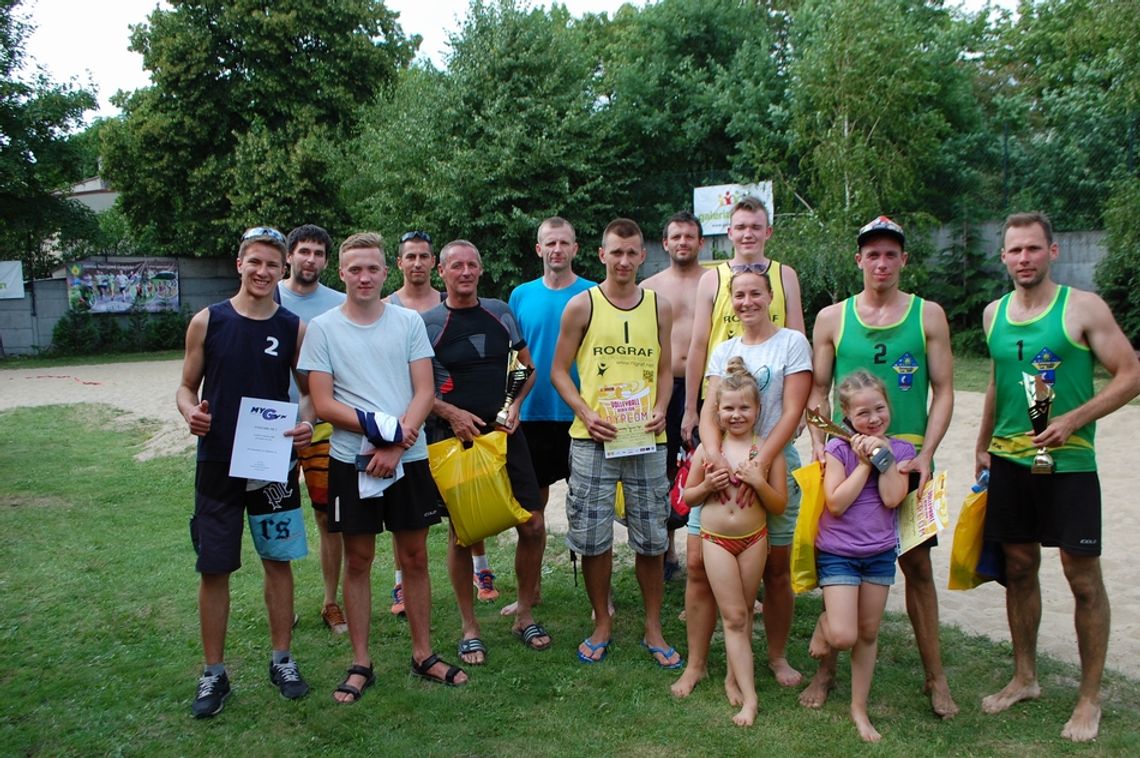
pixel 1039 346
pixel 896 354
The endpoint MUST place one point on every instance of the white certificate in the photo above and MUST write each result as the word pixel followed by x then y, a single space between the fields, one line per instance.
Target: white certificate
pixel 261 449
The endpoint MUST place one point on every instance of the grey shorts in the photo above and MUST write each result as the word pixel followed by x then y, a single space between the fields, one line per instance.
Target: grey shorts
pixel 590 499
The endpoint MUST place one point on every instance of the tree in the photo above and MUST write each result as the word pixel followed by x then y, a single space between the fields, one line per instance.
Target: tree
pixel 507 136
pixel 876 87
pixel 248 101
pixel 36 115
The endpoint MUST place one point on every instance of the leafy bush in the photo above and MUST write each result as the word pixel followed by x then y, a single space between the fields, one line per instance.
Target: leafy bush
pixel 80 332
pixel 1117 276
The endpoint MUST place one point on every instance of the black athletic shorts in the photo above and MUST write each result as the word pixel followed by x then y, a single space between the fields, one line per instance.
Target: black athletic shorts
pixel 1055 510
pixel 549 443
pixel 410 504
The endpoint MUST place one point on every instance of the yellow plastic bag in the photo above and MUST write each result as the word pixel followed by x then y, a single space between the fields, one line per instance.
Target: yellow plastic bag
pixel 968 541
pixel 810 479
pixel 474 484
pixel 619 503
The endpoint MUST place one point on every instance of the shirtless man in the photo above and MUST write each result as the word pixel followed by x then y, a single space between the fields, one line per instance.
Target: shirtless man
pixel 682 240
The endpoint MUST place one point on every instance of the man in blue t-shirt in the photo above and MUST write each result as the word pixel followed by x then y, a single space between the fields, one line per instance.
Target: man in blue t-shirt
pixel 303 294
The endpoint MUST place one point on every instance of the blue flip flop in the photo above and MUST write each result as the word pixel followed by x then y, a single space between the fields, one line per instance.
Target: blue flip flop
pixel 664 653
pixel 603 646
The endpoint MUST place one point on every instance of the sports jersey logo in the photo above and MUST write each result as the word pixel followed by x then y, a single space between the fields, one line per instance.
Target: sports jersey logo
pixel 906 367
pixel 269 414
pixel 603 368
pixel 640 352
pixel 1047 362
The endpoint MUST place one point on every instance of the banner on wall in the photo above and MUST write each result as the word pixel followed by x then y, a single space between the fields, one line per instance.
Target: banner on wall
pixel 107 287
pixel 11 280
pixel 712 205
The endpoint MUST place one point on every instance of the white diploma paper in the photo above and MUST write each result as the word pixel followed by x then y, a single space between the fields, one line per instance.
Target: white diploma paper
pixel 261 449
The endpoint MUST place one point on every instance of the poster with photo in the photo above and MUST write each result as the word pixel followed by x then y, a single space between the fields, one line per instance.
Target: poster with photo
pixel 109 287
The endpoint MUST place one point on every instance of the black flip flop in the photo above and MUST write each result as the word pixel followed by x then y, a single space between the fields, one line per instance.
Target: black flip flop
pixel 529 633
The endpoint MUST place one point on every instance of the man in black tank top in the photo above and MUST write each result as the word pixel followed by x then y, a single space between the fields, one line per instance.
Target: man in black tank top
pixel 244 346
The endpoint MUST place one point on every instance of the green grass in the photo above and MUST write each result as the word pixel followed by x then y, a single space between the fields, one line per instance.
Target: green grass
pixel 45 361
pixel 99 648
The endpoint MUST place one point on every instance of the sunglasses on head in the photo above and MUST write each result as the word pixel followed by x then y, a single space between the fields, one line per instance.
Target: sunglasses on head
pixel 415 235
pixel 749 268
pixel 263 231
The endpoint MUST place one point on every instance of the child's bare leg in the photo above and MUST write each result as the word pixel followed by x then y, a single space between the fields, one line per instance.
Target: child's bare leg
pixel 872 601
pixel 736 614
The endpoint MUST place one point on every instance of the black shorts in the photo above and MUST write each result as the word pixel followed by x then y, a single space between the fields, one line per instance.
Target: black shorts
pixel 223 503
pixel 674 414
pixel 549 444
pixel 520 470
pixel 1055 510
pixel 410 504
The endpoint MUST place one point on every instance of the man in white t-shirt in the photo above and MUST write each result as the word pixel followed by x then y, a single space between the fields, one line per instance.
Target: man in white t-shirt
pixel 370 375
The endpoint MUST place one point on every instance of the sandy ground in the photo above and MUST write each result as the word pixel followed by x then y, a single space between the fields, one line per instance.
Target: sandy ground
pixel 146 391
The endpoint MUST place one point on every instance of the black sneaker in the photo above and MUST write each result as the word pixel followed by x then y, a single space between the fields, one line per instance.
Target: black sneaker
pixel 212 694
pixel 288 679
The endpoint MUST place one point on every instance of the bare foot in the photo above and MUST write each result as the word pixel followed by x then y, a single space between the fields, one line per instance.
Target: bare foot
pixel 1014 692
pixel 512 608
pixel 746 716
pixel 818 647
pixel 867 732
pixel 786 676
pixel 818 689
pixel 1084 724
pixel 732 691
pixel 941 702
pixel 690 678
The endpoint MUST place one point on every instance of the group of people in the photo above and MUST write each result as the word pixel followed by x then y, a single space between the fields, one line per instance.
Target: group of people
pixel 377 378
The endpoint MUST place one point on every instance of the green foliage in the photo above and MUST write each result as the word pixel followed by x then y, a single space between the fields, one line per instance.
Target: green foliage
pixel 240 126
pixel 868 119
pixel 81 332
pixel 36 158
pixel 1118 275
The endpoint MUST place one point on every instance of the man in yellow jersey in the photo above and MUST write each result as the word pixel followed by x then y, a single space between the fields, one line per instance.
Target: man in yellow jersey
pixel 905 341
pixel 714 321
pixel 1055 332
pixel 682 240
pixel 617 334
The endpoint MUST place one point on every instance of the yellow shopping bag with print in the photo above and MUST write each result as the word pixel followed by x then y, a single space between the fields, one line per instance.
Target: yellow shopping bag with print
pixel 475 487
pixel 810 479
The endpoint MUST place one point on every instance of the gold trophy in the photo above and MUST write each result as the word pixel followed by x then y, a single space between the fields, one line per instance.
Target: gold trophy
pixel 1039 399
pixel 517 374
pixel 881 457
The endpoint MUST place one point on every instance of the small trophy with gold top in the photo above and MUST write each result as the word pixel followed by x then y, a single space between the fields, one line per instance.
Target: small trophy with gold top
pixel 881 457
pixel 1039 400
pixel 517 374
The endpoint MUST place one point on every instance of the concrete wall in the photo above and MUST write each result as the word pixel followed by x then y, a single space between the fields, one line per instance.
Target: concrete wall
pixel 26 325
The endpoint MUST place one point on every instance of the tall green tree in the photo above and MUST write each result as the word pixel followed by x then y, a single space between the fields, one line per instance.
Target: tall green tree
pixel 239 127
pixel 36 115
pixel 876 89
pixel 507 136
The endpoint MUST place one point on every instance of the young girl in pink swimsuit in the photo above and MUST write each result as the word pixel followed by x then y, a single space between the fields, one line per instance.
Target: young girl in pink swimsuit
pixel 734 518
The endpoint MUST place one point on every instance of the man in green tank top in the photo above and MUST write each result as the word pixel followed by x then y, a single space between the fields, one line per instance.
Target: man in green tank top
pixel 905 341
pixel 1052 331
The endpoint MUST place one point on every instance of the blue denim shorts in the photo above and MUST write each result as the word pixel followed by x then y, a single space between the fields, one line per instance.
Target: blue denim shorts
pixel 835 569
